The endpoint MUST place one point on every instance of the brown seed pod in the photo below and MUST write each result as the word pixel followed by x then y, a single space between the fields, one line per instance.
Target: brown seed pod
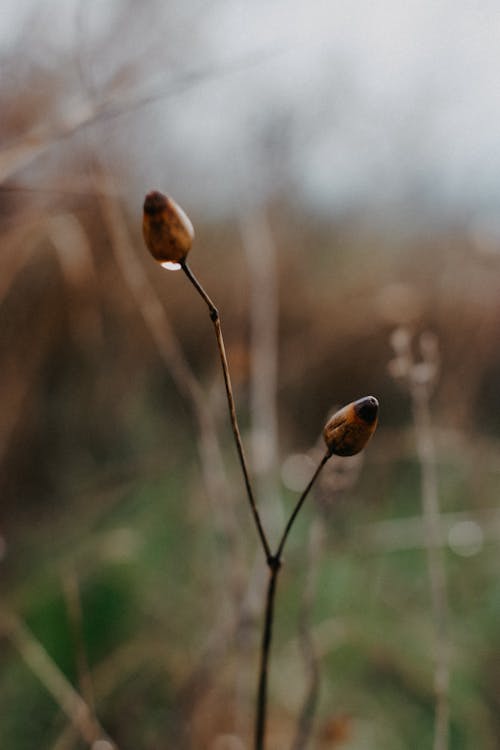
pixel 350 428
pixel 168 232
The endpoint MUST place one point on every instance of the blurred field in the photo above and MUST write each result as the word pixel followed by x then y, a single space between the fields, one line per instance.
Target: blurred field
pixel 127 549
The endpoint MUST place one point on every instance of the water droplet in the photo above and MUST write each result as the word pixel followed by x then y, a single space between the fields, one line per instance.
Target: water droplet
pixel 170 265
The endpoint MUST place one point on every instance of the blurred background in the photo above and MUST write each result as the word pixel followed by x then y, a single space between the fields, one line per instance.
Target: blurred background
pixel 340 164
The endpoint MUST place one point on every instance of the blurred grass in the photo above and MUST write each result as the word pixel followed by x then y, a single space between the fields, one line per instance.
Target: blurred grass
pixel 377 670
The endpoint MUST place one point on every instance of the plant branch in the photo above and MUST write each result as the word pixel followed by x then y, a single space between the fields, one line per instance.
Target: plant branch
pixel 299 505
pixel 274 563
pixel 215 318
pixel 260 723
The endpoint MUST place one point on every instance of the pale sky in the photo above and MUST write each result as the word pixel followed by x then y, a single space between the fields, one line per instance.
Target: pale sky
pixel 384 106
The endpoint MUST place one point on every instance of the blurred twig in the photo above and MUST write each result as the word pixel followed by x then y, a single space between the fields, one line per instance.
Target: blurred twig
pixel 437 576
pixel 260 252
pixel 410 533
pixel 18 375
pixel 420 378
pixel 71 591
pixel 19 244
pixel 15 157
pixel 38 660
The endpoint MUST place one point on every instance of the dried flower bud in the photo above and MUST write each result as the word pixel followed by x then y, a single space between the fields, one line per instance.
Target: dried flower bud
pixel 168 232
pixel 350 428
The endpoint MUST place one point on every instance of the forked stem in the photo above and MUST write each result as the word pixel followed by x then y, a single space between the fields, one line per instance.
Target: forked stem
pixel 215 318
pixel 274 564
pixel 273 561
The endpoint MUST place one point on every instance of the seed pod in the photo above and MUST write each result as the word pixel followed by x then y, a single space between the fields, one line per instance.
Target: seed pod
pixel 350 428
pixel 168 232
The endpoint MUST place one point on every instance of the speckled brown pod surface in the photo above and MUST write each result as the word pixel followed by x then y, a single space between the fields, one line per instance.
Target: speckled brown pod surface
pixel 168 232
pixel 350 428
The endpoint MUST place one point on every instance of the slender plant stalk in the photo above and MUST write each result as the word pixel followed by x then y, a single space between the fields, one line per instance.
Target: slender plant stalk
pixel 274 563
pixel 260 721
pixel 299 505
pixel 215 318
pixel 273 560
pixel 437 575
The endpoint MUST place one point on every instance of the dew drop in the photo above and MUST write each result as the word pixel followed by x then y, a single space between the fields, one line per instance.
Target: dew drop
pixel 170 265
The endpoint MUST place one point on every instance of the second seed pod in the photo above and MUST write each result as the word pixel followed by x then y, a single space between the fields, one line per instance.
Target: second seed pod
pixel 350 428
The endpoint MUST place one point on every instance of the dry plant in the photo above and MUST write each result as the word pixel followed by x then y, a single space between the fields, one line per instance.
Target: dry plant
pixel 420 377
pixel 169 234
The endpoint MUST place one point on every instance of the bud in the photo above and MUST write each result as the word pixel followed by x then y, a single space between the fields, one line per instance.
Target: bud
pixel 350 428
pixel 168 232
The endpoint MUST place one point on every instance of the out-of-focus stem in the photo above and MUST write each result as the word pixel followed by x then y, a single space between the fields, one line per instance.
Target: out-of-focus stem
pixel 40 663
pixel 437 576
pixel 260 251
pixel 74 606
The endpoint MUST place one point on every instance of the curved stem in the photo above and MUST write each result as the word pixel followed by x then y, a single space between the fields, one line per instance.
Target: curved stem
pixel 215 318
pixel 260 722
pixel 273 561
pixel 299 505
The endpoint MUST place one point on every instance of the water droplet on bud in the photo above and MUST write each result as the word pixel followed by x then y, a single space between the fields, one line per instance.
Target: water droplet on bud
pixel 170 265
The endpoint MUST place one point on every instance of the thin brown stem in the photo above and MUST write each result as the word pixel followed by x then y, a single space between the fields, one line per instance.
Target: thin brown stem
pixel 260 723
pixel 38 660
pixel 215 318
pixel 299 505
pixel 274 563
